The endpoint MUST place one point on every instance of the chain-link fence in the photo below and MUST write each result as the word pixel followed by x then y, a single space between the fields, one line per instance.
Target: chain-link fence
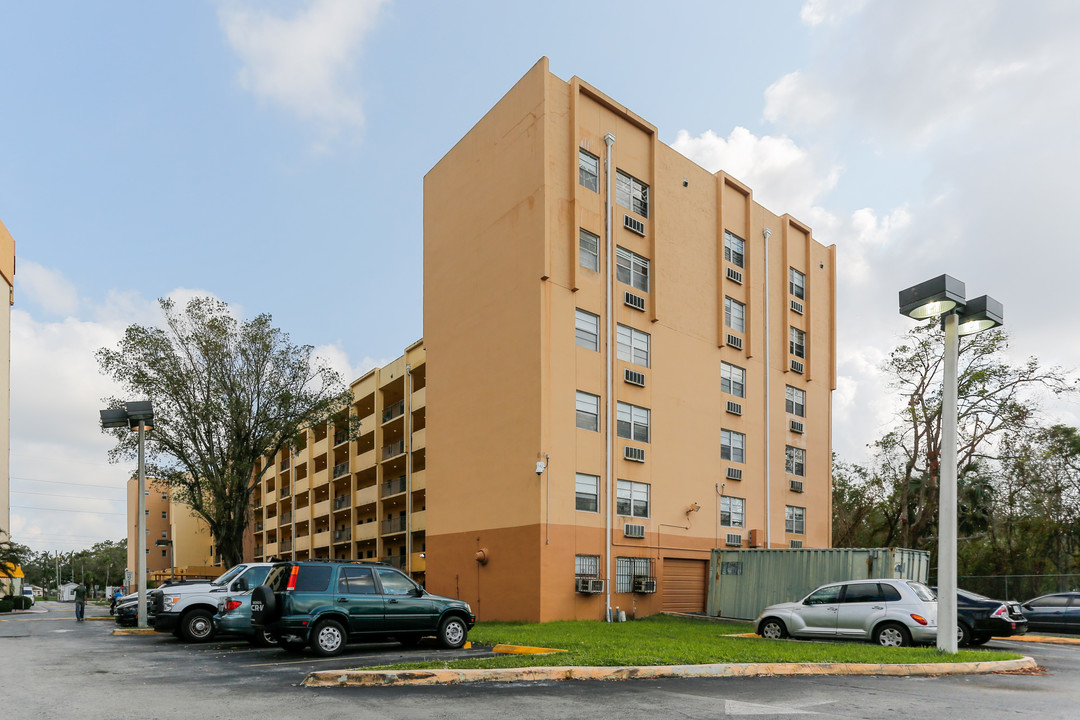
pixel 1018 587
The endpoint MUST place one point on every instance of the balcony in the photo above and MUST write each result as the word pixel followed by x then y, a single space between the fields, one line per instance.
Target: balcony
pixel 393 487
pixel 341 501
pixel 285 492
pixel 419 399
pixel 340 436
pixel 302 485
pixel 303 543
pixel 419 562
pixel 341 469
pixel 286 518
pixel 419 439
pixel 258 551
pixel 271 549
pixel 259 526
pixel 393 525
pixel 393 449
pixel 365 460
pixel 286 546
pixel 284 465
pixel 366 496
pixel 270 523
pixel 419 521
pixel 342 536
pixel 397 561
pixel 419 480
pixel 394 411
pixel 367 531
pixel 321 509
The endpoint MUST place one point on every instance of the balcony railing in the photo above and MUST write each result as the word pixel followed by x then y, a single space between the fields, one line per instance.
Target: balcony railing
pixel 341 469
pixel 341 501
pixel 258 527
pixel 395 410
pixel 286 545
pixel 394 448
pixel 393 487
pixel 397 561
pixel 285 491
pixel 342 535
pixel 284 465
pixel 393 525
pixel 286 518
pixel 259 550
pixel 340 436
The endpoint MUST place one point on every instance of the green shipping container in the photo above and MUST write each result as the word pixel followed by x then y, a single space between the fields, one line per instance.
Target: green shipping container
pixel 742 583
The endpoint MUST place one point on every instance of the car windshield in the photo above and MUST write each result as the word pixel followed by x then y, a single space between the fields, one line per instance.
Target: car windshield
pixel 224 579
pixel 921 591
pixel 971 596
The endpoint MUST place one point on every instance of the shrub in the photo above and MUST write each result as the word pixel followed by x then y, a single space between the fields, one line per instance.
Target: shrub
pixel 6 605
pixel 22 602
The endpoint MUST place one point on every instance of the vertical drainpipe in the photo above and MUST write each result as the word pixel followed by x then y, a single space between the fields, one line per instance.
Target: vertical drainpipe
pixel 408 470
pixel 609 251
pixel 768 405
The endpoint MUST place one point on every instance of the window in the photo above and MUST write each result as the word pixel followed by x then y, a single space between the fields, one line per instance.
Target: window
pixel 796 283
pixel 732 446
pixel 890 593
pixel 587 329
pixel 588 411
pixel 164 534
pixel 631 193
pixel 632 499
pixel 626 569
pixel 311 578
pixel 356 581
pixel 795 402
pixel 588 493
pixel 162 553
pixel 732 511
pixel 164 515
pixel 632 422
pixel 589 253
pixel 797 344
pixel 589 170
pixel 633 345
pixel 824 596
pixel 394 583
pixel 795 461
pixel 632 269
pixel 164 496
pixel 732 380
pixel 795 520
pixel 733 249
pixel 734 315
pixel 587 566
pixel 1050 601
pixel 863 592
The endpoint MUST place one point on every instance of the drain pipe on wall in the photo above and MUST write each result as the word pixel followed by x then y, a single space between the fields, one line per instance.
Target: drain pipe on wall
pixel 767 233
pixel 609 251
pixel 408 470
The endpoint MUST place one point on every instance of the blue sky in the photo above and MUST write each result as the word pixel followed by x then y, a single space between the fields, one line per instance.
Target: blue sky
pixel 273 153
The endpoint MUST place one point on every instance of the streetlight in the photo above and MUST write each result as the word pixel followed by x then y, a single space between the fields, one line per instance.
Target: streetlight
pixel 137 415
pixel 172 557
pixel 944 296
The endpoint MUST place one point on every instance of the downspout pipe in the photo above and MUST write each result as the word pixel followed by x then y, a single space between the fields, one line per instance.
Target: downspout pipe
pixel 609 252
pixel 767 233
pixel 408 470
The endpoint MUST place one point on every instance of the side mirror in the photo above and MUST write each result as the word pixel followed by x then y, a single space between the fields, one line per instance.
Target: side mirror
pixel 240 585
pixel 418 591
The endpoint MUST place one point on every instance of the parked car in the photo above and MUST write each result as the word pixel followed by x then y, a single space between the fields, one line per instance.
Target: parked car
pixel 887 611
pixel 979 618
pixel 187 610
pixel 234 618
pixel 325 605
pixel 1058 612
pixel 127 611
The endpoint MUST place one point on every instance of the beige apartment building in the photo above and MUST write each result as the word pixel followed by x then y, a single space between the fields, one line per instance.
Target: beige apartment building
pixel 192 551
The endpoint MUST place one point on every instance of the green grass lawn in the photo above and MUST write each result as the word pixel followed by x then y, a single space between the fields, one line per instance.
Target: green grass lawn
pixel 664 640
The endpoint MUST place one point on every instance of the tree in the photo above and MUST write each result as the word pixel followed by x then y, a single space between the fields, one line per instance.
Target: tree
pixel 225 393
pixel 12 556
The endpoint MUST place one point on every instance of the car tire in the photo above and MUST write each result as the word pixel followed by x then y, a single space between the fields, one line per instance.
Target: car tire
pixel 197 626
pixel 453 632
pixel 327 638
pixel 263 638
pixel 977 640
pixel 892 635
pixel 963 635
pixel 773 629
pixel 269 611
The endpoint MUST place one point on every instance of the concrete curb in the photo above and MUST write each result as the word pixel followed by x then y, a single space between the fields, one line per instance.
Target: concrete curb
pixel 524 650
pixel 369 678
pixel 134 631
pixel 1048 639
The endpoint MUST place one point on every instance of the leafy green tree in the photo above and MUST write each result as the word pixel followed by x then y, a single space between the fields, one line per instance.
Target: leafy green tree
pixel 12 556
pixel 225 393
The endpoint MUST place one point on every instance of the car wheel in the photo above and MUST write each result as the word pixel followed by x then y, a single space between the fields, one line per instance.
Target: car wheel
pixel 963 635
pixel 327 638
pixel 452 632
pixel 892 635
pixel 977 640
pixel 263 639
pixel 264 605
pixel 773 629
pixel 197 626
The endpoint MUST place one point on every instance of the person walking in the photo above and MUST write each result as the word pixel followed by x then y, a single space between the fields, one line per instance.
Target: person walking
pixel 80 602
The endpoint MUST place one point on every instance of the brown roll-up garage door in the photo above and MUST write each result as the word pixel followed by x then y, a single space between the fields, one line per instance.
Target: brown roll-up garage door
pixel 684 585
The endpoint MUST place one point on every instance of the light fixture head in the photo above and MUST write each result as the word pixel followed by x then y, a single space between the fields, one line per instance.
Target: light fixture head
pixel 932 298
pixel 982 313
pixel 115 418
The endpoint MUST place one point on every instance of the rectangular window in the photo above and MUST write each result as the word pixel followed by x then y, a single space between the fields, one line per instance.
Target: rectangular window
pixel 795 520
pixel 732 380
pixel 626 569
pixel 734 315
pixel 588 411
pixel 589 252
pixel 633 345
pixel 164 496
pixel 632 269
pixel 795 403
pixel 734 247
pixel 797 344
pixel 589 170
pixel 632 499
pixel 732 446
pixel 587 329
pixel 588 493
pixel 164 515
pixel 587 566
pixel 732 511
pixel 795 461
pixel 796 283
pixel 632 422
pixel 631 193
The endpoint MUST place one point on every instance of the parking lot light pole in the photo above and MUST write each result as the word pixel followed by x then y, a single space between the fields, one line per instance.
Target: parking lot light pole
pixel 944 297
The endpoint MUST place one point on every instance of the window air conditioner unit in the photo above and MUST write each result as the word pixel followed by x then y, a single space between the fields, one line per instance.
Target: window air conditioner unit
pixel 589 586
pixel 733 540
pixel 734 275
pixel 796 486
pixel 633 531
pixel 796 366
pixel 634 377
pixel 733 473
pixel 633 225
pixel 796 426
pixel 644 585
pixel 634 454
pixel 635 301
pixel 796 306
pixel 754 540
pixel 734 408
pixel 734 341
pixel 796 544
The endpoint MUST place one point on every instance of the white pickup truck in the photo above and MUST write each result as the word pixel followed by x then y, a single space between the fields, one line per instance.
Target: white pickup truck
pixel 187 611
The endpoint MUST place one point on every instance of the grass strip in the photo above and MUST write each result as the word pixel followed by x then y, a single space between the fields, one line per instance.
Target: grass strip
pixel 664 640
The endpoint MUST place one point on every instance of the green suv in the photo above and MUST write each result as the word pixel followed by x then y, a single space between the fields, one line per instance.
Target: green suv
pixel 327 604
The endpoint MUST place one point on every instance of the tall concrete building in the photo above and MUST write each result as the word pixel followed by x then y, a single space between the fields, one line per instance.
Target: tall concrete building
pixel 7 272
pixel 630 362
pixel 192 548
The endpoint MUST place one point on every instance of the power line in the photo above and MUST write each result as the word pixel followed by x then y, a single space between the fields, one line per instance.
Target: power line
pixel 89 512
pixel 81 497
pixel 61 482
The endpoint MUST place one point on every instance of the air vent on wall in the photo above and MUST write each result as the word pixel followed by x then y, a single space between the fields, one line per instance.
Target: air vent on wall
pixel 634 225
pixel 796 426
pixel 796 366
pixel 796 306
pixel 634 377
pixel 796 486
pixel 734 275
pixel 796 544
pixel 633 531
pixel 733 473
pixel 734 408
pixel 635 301
pixel 634 454
pixel 733 540
pixel 734 341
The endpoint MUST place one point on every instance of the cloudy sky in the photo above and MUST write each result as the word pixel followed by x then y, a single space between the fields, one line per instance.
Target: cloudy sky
pixel 272 154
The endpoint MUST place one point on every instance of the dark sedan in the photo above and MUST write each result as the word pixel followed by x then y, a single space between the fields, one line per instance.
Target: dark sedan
pixel 1059 612
pixel 980 618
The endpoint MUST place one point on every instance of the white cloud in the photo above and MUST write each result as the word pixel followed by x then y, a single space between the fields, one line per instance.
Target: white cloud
pixel 816 12
pixel 304 62
pixel 47 289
